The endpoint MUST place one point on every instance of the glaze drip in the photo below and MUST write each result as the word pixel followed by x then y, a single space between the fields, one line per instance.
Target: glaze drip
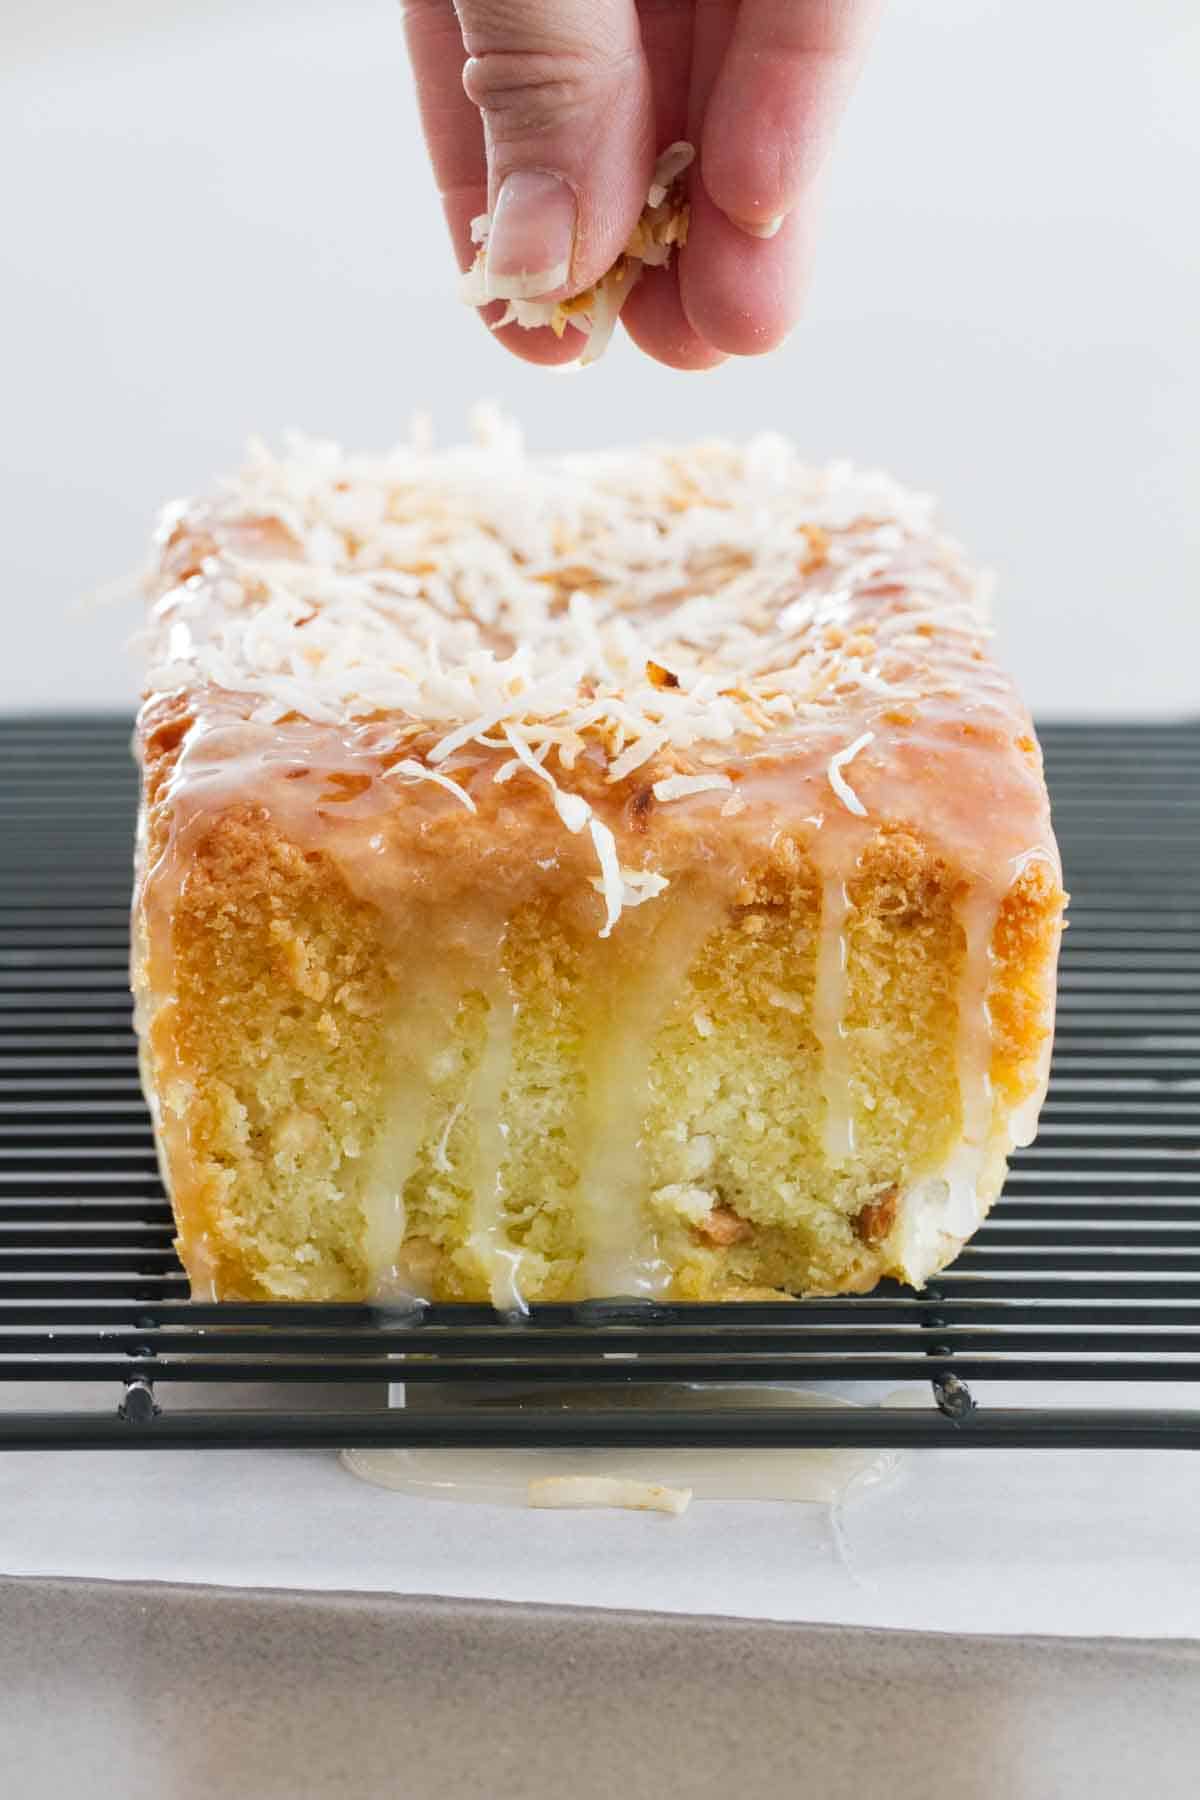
pixel 489 1238
pixel 426 1032
pixel 977 915
pixel 621 1251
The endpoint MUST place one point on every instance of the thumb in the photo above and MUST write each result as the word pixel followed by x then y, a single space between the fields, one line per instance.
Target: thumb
pixel 564 92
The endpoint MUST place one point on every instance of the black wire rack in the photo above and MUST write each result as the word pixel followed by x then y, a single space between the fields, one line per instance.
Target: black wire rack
pixel 1088 1269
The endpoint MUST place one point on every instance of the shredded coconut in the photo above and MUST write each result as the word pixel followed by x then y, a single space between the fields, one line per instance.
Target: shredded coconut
pixel 441 1160
pixel 410 770
pixel 678 787
pixel 654 610
pixel 636 886
pixel 611 885
pixel 572 809
pixel 663 224
pixel 837 780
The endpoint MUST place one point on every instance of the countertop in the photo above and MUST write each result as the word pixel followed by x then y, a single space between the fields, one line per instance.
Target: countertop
pixel 177 1693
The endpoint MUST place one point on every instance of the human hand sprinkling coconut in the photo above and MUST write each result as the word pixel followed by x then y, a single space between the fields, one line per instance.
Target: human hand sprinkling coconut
pixel 653 158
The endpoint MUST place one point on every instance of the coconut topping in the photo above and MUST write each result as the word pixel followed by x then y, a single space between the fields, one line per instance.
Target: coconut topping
pixel 649 614
pixel 837 780
pixel 662 225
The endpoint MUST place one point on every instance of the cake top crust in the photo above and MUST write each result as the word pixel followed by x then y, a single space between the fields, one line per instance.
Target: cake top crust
pixel 704 623
pixel 629 600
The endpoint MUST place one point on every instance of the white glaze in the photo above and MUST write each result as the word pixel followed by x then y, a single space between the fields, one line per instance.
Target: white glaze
pixel 825 1477
pixel 622 1253
pixel 500 1257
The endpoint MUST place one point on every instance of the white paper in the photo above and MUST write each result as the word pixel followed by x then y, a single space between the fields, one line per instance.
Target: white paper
pixel 1074 1542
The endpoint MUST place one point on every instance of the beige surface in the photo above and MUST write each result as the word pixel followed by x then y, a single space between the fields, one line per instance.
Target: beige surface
pixel 176 1692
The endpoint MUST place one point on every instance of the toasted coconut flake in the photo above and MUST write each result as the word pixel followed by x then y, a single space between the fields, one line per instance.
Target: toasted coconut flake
pixel 678 787
pixel 608 1490
pixel 411 770
pixel 639 752
pixel 818 546
pixel 670 166
pixel 611 885
pixel 478 600
pixel 837 780
pixel 636 886
pixel 661 226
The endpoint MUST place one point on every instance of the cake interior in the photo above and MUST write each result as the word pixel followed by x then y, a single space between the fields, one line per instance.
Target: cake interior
pixel 347 1115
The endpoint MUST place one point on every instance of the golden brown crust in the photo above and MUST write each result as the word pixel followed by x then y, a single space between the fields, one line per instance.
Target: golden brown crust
pixel 1021 1003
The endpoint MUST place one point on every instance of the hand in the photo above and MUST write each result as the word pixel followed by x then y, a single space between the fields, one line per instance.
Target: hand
pixel 549 114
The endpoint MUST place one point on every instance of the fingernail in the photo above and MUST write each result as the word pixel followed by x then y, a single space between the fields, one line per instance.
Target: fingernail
pixel 532 236
pixel 754 229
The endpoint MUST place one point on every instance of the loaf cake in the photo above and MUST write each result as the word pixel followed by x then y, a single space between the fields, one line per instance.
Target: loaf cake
pixel 593 875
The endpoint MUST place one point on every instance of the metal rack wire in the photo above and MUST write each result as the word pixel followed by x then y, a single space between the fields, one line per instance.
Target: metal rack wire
pixel 1087 1270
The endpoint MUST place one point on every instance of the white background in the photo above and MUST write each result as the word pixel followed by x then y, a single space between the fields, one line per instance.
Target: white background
pixel 217 220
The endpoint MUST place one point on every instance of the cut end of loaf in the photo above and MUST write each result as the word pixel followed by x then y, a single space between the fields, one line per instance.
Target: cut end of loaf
pixel 649 1113
pixel 594 876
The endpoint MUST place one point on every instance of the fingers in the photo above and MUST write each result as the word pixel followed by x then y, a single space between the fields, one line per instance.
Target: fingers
pixel 653 315
pixel 769 79
pixel 449 121
pixel 548 116
pixel 773 107
pixel 454 135
pixel 743 295
pixel 735 289
pixel 666 27
pixel 564 95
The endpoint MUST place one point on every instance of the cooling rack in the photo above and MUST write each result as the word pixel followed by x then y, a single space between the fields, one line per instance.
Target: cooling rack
pixel 1088 1269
